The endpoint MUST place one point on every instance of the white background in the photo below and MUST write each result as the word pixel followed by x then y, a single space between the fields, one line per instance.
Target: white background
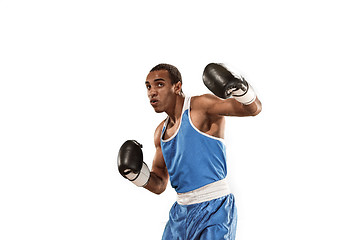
pixel 72 91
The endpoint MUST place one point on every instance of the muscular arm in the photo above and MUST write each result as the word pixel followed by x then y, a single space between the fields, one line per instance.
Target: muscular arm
pixel 159 175
pixel 240 97
pixel 215 106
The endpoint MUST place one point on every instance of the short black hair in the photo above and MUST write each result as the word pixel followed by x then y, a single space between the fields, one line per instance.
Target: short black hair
pixel 172 70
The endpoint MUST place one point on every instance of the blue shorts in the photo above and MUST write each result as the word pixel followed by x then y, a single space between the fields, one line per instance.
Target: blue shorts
pixel 212 220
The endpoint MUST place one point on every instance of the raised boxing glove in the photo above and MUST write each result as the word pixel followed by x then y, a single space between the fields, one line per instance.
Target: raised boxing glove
pixel 224 84
pixel 131 165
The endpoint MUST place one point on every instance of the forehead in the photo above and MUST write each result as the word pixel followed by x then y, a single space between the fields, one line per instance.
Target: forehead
pixel 155 75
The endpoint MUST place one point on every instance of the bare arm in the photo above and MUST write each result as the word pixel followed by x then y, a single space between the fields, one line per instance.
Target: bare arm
pixel 159 175
pixel 215 106
pixel 240 97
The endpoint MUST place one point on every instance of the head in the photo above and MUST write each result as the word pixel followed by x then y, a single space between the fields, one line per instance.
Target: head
pixel 174 73
pixel 164 86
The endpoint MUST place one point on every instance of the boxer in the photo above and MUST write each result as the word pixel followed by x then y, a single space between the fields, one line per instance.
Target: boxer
pixel 190 150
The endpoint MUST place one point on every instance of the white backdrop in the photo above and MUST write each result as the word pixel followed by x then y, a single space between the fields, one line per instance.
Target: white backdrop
pixel 72 91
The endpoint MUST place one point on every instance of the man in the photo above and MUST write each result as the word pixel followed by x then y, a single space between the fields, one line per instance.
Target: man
pixel 190 150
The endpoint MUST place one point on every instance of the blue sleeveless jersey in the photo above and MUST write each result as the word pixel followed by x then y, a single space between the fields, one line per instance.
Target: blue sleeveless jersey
pixel 193 158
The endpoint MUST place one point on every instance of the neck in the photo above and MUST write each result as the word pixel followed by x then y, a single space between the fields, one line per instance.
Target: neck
pixel 175 112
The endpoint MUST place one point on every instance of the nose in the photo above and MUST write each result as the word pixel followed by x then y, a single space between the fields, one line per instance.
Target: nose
pixel 152 92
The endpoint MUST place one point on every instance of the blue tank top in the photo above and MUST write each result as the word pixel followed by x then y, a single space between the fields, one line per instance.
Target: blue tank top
pixel 193 158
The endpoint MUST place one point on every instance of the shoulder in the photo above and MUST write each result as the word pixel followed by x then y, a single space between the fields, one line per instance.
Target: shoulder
pixel 157 134
pixel 204 101
pixel 160 127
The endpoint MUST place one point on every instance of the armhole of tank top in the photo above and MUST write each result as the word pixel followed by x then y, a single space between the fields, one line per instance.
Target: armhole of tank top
pixel 202 133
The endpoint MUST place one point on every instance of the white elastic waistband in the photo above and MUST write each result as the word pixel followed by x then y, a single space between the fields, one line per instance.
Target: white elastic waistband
pixel 206 193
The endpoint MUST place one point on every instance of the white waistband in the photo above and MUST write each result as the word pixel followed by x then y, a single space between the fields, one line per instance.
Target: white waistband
pixel 206 193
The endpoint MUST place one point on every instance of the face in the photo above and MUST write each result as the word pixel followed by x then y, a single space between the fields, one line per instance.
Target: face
pixel 160 91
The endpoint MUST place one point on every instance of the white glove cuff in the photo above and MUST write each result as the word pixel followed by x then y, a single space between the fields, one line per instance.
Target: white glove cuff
pixel 246 99
pixel 143 177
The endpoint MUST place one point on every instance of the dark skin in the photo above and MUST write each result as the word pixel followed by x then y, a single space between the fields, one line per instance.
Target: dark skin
pixel 206 112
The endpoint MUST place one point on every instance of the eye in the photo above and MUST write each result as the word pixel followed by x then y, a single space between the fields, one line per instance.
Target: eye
pixel 160 84
pixel 148 87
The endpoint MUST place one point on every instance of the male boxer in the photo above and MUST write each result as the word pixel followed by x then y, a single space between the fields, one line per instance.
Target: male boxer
pixel 190 150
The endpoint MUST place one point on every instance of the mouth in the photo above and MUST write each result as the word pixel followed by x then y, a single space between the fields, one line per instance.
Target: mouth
pixel 153 102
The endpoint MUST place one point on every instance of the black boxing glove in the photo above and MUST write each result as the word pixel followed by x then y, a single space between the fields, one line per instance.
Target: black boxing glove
pixel 224 84
pixel 131 165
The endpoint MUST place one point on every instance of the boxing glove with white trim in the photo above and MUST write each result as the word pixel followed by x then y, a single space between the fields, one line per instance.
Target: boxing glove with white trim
pixel 224 84
pixel 131 165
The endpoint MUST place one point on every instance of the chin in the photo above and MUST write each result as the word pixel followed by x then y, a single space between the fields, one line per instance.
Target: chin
pixel 158 110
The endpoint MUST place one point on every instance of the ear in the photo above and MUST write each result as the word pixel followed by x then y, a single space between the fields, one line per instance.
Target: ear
pixel 177 87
